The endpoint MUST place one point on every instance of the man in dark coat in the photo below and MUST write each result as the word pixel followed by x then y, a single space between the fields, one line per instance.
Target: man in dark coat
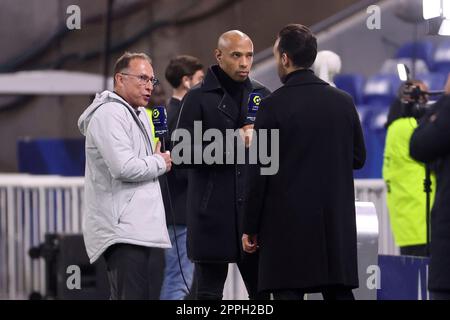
pixel 182 73
pixel 430 142
pixel 302 219
pixel 215 195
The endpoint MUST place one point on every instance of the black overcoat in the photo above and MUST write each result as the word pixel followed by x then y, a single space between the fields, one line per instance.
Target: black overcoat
pixel 304 215
pixel 215 193
pixel 430 143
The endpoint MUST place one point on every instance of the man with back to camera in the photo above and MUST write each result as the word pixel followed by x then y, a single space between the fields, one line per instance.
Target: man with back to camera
pixel 124 212
pixel 215 195
pixel 302 219
pixel 183 72
pixel 430 143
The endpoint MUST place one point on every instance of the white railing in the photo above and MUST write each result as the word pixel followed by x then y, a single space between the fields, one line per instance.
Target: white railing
pixel 374 190
pixel 31 206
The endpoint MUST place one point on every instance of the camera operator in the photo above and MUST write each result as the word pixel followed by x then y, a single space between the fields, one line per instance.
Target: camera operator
pixel 403 175
pixel 410 103
pixel 430 142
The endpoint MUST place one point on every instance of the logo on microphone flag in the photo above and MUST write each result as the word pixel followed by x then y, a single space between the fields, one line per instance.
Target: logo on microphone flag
pixel 159 119
pixel 253 105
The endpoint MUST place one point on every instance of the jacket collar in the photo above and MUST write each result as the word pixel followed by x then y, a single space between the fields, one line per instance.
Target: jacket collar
pixel 237 114
pixel 145 128
pixel 211 83
pixel 303 77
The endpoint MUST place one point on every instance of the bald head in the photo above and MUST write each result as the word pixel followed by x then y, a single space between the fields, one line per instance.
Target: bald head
pixel 230 37
pixel 234 54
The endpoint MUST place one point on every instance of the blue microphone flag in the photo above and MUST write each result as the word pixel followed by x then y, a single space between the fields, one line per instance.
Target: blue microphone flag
pixel 159 119
pixel 254 99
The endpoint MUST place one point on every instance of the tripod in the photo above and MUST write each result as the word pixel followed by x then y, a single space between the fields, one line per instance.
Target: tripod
pixel 427 189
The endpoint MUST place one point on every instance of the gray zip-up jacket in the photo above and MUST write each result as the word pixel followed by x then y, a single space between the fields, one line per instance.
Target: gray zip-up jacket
pixel 122 196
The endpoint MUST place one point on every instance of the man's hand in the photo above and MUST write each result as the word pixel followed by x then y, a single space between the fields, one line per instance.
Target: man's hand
pixel 246 133
pixel 165 155
pixel 250 243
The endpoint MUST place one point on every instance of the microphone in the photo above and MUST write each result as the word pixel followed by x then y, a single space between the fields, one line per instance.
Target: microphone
pixel 159 119
pixel 254 99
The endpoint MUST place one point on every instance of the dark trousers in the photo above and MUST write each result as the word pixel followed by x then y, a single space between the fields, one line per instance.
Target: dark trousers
pixel 418 250
pixel 211 278
pixel 328 293
pixel 134 272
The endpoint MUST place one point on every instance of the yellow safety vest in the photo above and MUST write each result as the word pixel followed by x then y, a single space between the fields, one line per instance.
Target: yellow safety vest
pixel 404 178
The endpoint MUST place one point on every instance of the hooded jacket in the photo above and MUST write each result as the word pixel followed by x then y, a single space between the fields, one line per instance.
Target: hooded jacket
pixel 122 195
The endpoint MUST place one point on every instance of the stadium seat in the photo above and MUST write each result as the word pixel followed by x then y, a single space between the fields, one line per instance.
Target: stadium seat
pixel 64 157
pixel 381 89
pixel 353 84
pixel 375 141
pixel 390 66
pixel 442 58
pixel 364 112
pixel 434 81
pixel 421 50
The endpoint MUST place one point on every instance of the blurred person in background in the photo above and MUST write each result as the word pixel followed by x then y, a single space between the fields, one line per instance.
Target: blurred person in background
pixel 404 176
pixel 182 73
pixel 327 65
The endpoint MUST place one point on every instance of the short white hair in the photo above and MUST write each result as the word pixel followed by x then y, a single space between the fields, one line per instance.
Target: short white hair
pixel 327 65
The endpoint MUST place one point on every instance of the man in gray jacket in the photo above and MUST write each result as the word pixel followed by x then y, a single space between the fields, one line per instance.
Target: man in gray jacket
pixel 124 212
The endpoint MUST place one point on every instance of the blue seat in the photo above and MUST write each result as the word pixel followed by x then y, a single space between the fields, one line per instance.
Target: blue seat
pixel 423 50
pixel 365 114
pixel 64 157
pixel 442 58
pixel 381 89
pixel 434 81
pixel 375 140
pixel 390 66
pixel 373 120
pixel 353 84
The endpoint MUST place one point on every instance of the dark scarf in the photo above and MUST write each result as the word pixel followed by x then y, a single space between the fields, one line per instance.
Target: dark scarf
pixel 234 88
